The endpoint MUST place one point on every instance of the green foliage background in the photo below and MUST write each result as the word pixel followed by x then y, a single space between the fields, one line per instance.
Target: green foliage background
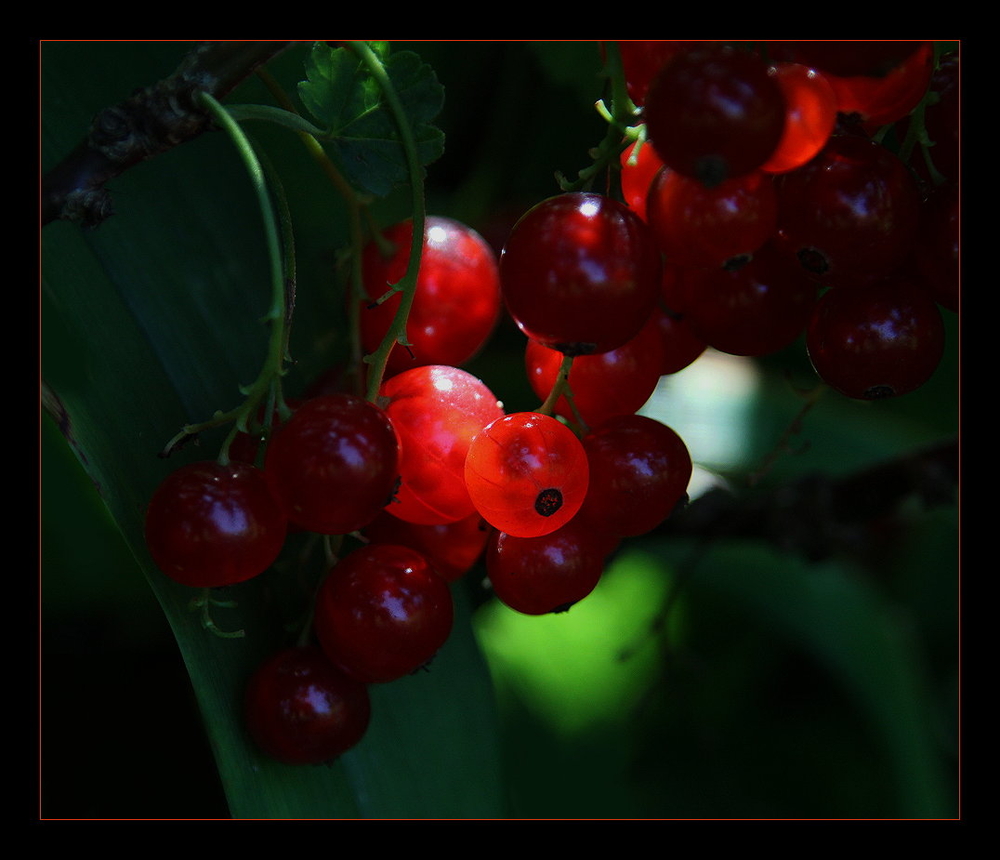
pixel 777 688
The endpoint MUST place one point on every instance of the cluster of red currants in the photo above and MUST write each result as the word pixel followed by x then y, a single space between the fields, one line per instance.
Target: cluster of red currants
pixel 781 210
pixel 744 207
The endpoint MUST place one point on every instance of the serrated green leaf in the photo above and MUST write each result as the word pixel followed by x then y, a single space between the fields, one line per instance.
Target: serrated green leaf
pixel 362 133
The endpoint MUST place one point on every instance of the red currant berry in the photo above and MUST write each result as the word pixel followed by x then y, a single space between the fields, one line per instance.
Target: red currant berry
pixel 755 310
pixel 539 575
pixel 301 709
pixel 436 411
pixel 639 472
pixel 711 227
pixel 890 97
pixel 451 548
pixel 714 114
pixel 382 613
pixel 876 342
pixel 526 474
pixel 617 382
pixel 580 273
pixel 334 464
pixel 210 525
pixel 681 346
pixel 851 213
pixel 457 300
pixel 810 117
pixel 638 172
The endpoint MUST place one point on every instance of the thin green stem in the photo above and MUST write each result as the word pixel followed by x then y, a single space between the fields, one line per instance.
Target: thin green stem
pixel 282 292
pixel 407 286
pixel 621 121
pixel 559 388
pixel 356 208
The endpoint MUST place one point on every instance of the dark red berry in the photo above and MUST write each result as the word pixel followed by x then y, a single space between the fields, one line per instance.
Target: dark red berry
pixel 640 470
pixel 301 709
pixel 876 342
pixel 580 273
pixel 714 114
pixel 851 214
pixel 210 525
pixel 711 227
pixel 382 612
pixel 539 575
pixel 335 464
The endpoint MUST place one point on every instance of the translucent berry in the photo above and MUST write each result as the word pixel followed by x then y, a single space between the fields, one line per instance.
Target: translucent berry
pixel 526 474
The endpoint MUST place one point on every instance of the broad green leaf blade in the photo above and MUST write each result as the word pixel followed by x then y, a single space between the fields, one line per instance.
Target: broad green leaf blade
pixel 363 136
pixel 152 321
pixel 832 612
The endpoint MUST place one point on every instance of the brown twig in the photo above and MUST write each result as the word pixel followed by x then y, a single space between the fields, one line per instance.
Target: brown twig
pixel 819 516
pixel 151 121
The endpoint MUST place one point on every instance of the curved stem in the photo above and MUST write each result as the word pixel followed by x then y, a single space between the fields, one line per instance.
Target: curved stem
pixel 282 292
pixel 407 286
pixel 621 121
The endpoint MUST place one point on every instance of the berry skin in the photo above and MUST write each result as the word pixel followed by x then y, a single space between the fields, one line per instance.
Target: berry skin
pixel 849 215
pixel 580 273
pixel 382 612
pixel 526 474
pixel 437 411
pixel 711 227
pixel 810 117
pixel 451 548
pixel 334 464
pixel 757 309
pixel 639 472
pixel 617 382
pixel 714 114
pixel 210 525
pixel 877 342
pixel 301 709
pixel 457 298
pixel 539 575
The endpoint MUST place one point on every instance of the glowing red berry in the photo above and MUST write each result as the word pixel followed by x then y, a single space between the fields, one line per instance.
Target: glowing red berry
pixel 526 474
pixel 382 612
pixel 436 411
pixel 457 298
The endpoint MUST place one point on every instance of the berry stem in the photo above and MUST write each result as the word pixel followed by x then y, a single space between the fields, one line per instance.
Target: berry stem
pixel 203 604
pixel 621 129
pixel 407 286
pixel 356 205
pixel 560 388
pixel 280 246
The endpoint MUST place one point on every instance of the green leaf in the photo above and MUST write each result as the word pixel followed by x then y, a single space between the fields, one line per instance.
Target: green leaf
pixel 152 321
pixel 362 134
pixel 832 611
